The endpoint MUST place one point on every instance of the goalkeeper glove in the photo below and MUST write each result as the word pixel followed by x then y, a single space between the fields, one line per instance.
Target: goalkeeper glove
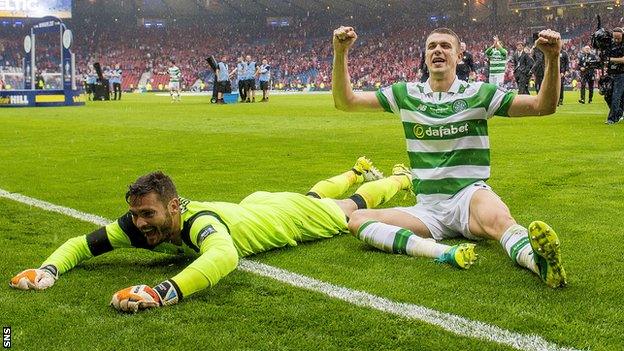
pixel 141 297
pixel 35 279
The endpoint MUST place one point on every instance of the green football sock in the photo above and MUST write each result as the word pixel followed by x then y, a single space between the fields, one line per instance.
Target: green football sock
pixel 393 239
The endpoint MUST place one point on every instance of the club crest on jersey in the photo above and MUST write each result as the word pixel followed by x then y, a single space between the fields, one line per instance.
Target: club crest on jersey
pixel 459 105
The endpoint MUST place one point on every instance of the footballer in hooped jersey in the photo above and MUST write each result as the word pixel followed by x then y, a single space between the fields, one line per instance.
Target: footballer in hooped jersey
pixel 445 124
pixel 159 220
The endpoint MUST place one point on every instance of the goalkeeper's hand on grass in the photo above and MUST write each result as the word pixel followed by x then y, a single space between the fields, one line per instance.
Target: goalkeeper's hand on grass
pixel 141 297
pixel 35 279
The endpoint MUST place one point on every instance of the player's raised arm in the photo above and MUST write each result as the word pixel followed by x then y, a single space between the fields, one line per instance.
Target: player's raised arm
pixel 545 102
pixel 344 97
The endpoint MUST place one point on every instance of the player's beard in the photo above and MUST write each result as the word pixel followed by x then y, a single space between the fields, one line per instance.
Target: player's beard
pixel 163 232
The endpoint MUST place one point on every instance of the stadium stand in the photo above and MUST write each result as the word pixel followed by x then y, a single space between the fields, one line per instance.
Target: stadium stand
pixel 300 54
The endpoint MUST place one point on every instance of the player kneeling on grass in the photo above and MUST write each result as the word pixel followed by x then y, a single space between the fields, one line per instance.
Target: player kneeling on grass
pixel 158 219
pixel 445 124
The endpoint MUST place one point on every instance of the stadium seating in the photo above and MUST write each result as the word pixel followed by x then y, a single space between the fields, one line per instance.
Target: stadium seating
pixel 385 52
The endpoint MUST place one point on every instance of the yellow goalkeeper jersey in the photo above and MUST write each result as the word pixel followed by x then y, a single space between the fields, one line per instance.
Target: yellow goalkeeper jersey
pixel 220 232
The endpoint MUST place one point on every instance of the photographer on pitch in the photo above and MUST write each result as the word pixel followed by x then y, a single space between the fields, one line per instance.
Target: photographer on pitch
pixel 587 63
pixel 615 70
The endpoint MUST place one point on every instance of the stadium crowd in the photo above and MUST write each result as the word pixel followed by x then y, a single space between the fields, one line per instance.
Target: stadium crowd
pixel 299 54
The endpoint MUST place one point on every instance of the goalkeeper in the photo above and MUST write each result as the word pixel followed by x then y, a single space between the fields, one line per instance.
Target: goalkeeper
pixel 158 219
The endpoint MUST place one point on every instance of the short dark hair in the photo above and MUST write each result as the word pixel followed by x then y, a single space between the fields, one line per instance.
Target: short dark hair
pixel 156 182
pixel 443 30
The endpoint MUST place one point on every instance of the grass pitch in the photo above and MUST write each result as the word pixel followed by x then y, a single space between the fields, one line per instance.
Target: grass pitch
pixel 564 169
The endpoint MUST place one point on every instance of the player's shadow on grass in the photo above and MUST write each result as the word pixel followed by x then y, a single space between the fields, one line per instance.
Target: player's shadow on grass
pixel 139 260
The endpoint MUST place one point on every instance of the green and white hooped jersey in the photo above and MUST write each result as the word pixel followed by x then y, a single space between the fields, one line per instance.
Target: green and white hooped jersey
pixel 174 74
pixel 447 135
pixel 498 60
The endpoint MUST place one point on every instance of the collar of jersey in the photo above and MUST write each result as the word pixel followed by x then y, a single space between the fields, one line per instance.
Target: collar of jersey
pixel 453 89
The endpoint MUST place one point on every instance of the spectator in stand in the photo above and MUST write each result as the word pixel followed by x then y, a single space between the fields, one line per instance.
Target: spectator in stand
pixel 39 81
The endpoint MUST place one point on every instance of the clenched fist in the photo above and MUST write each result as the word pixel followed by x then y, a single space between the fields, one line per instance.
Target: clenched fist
pixel 344 37
pixel 549 42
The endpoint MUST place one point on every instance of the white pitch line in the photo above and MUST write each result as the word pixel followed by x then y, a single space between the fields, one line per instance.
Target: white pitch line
pixel 55 208
pixel 449 322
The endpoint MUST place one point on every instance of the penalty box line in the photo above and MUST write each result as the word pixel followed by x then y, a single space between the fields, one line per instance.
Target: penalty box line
pixel 452 323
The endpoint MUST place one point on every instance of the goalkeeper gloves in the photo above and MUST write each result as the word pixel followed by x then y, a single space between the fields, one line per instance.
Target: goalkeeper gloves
pixel 35 279
pixel 141 297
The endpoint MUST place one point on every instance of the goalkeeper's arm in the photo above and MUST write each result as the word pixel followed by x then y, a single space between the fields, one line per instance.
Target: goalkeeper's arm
pixel 218 258
pixel 66 257
pixel 69 255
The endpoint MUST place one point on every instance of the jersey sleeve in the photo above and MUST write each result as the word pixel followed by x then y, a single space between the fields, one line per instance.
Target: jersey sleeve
pixel 387 100
pixel 121 233
pixel 218 255
pixel 500 102
pixel 68 255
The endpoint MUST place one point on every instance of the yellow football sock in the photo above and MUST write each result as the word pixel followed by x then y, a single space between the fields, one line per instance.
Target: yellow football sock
pixel 334 187
pixel 380 191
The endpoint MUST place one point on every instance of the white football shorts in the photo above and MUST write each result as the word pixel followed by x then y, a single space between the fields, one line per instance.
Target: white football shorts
pixel 174 85
pixel 498 79
pixel 448 218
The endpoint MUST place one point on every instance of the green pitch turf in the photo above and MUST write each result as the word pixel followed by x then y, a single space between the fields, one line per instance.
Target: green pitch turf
pixel 564 169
